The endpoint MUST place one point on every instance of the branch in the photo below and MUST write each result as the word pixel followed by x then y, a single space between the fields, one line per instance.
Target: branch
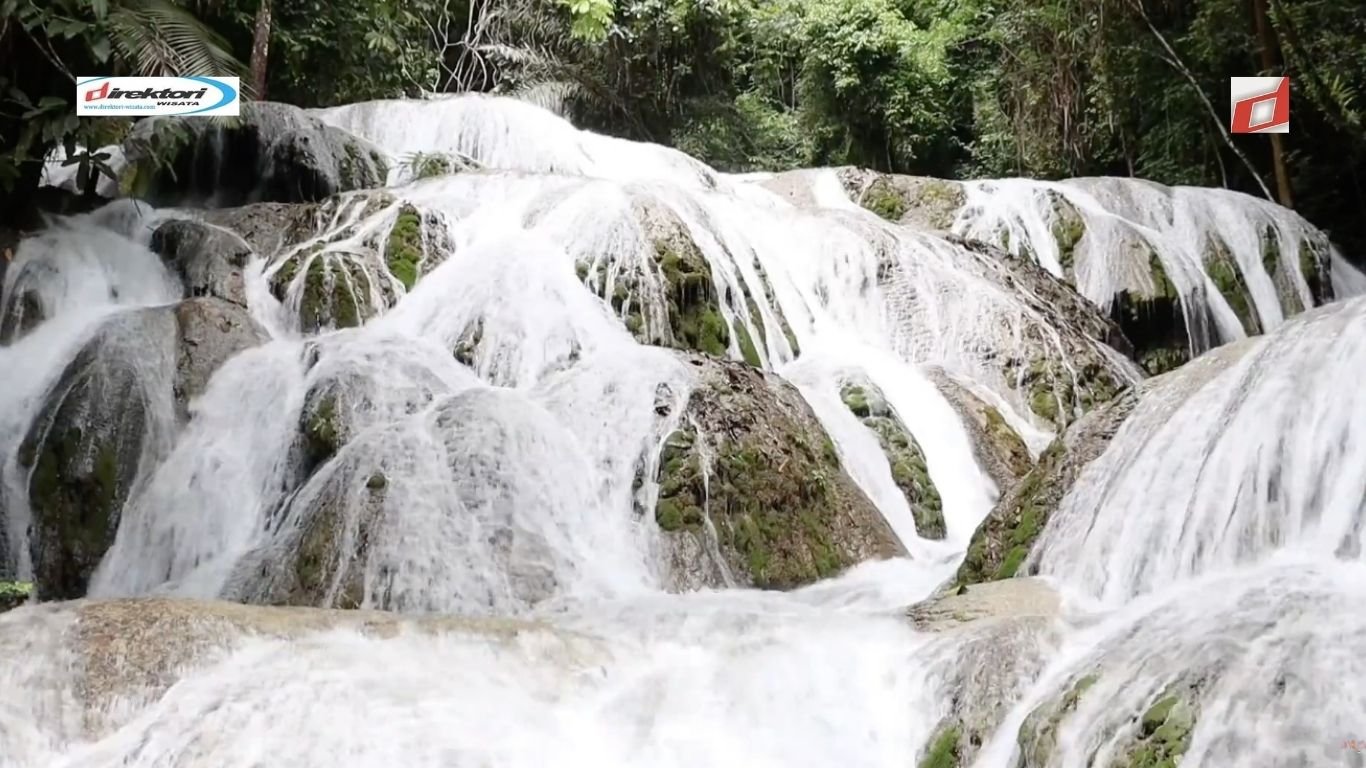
pixel 1175 61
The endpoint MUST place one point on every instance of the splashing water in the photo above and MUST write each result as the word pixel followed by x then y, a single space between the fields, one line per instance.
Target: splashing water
pixel 514 421
pixel 1260 457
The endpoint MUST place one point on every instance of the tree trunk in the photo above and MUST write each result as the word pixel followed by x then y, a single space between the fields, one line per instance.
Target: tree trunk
pixel 1270 55
pixel 260 49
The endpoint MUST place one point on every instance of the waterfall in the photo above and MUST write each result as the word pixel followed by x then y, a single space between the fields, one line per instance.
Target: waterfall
pixel 470 388
pixel 1255 458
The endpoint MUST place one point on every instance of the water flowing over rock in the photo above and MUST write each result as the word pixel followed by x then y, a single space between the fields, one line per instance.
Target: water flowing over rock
pixel 272 152
pixel 751 482
pixel 1255 455
pixel 546 448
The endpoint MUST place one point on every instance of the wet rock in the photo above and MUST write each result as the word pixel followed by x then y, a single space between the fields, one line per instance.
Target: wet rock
pixel 271 153
pixel 1013 599
pixel 998 448
pixel 904 455
pixel 109 408
pixel 751 476
pixel 1002 542
pixel 212 330
pixel 1228 278
pixel 23 309
pixel 992 643
pixel 269 227
pixel 208 259
pixel 1058 388
pixel 917 201
pixel 99 653
pixel 14 594
pixel 670 297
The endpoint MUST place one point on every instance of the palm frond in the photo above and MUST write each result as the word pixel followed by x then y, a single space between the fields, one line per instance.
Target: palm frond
pixel 157 38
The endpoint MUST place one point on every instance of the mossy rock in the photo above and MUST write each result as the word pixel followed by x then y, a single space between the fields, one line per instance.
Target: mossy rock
pixel 1154 321
pixel 1161 737
pixel 943 751
pixel 417 242
pixel 332 541
pixel 14 594
pixel 998 448
pixel 1002 543
pixel 883 198
pixel 85 447
pixel 1314 263
pixel 271 152
pixel 1228 278
pixel 768 480
pixel 1061 395
pixel 919 201
pixel 337 290
pixel 1038 734
pixel 904 456
pixel 1068 228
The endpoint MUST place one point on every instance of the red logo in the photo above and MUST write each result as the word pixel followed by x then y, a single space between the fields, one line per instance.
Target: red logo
pixel 1260 104
pixel 99 93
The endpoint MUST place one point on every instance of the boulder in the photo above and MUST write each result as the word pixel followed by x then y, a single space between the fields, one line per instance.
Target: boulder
pixel 751 476
pixel 110 407
pixel 211 330
pixel 1004 539
pixel 991 643
pixel 208 259
pixel 904 455
pixel 270 153
pixel 998 448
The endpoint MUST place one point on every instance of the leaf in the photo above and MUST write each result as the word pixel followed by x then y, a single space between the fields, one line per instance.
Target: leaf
pixel 100 50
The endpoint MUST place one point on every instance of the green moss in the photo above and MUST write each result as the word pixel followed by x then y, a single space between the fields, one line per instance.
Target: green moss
pixel 1164 734
pixel 694 313
pixel 313 302
pixel 943 750
pixel 322 429
pixel 14 594
pixel 1163 287
pixel 747 349
pixel 904 456
pixel 1001 545
pixel 377 481
pixel 883 198
pixel 1228 279
pixel 1007 441
pixel 856 398
pixel 1067 230
pixel 403 249
pixel 1314 268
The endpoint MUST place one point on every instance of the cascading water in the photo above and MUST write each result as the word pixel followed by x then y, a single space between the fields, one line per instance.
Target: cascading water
pixel 486 444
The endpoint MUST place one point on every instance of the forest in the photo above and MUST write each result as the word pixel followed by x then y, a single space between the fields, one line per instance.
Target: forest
pixel 948 88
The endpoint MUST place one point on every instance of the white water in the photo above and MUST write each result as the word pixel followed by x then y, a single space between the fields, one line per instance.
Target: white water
pixel 1266 455
pixel 509 491
pixel 1126 219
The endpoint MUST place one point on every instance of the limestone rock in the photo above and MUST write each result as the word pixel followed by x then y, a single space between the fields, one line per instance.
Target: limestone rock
pixel 992 642
pixel 212 330
pixel 999 450
pixel 209 259
pixel 917 201
pixel 904 455
pixel 1003 541
pixel 751 476
pixel 272 152
pixel 110 406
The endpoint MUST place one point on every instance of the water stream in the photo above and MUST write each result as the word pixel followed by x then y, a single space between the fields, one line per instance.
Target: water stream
pixel 1215 545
